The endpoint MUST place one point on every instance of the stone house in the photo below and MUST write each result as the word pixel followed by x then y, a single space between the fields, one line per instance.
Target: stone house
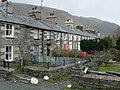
pixel 24 36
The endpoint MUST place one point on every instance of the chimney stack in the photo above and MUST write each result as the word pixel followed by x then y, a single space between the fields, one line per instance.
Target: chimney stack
pixel 80 27
pixel 69 23
pixel 51 18
pixel 6 6
pixel 35 13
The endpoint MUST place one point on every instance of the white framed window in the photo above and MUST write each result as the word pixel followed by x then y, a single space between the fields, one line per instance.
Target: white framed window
pixel 70 45
pixel 70 36
pixel 9 30
pixel 75 37
pixel 79 47
pixel 57 36
pixel 48 35
pixel 75 46
pixel 79 38
pixel 36 34
pixel 8 53
pixel 65 36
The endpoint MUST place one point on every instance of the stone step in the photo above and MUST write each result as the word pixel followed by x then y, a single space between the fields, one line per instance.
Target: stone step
pixel 5 72
pixel 24 81
pixel 23 78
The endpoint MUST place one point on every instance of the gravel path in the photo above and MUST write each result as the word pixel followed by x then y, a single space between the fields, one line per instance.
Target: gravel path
pixel 6 85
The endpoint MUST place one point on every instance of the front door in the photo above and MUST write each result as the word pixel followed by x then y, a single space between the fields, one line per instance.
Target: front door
pixel 36 54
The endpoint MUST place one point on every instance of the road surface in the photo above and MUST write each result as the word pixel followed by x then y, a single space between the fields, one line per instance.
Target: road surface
pixel 7 85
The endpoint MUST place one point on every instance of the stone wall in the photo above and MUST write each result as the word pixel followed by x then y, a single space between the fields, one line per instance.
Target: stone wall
pixel 5 73
pixel 96 81
pixel 52 72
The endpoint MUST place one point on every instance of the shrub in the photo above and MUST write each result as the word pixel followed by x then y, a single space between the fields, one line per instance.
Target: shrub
pixel 57 52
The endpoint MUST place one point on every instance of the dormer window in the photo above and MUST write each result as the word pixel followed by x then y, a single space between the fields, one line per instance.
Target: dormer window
pixel 9 30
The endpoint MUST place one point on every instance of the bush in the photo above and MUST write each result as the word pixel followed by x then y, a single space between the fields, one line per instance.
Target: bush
pixel 115 53
pixel 57 52
pixel 117 56
pixel 118 43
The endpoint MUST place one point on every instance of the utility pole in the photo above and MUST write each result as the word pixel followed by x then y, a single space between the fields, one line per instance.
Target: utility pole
pixel 41 9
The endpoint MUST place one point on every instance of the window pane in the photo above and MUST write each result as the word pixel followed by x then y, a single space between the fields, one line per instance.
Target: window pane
pixel 7 26
pixel 6 49
pixel 36 34
pixel 6 56
pixel 9 49
pixel 9 56
pixel 10 26
pixel 7 32
pixel 10 32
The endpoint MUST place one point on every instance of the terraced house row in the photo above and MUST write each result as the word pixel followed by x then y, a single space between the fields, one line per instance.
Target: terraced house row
pixel 28 36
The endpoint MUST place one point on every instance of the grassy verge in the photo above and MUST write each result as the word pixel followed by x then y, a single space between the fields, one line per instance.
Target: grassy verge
pixel 62 78
pixel 59 78
pixel 109 67
pixel 36 67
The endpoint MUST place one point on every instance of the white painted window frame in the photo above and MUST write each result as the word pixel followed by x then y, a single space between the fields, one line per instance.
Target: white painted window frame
pixel 36 34
pixel 10 29
pixel 10 53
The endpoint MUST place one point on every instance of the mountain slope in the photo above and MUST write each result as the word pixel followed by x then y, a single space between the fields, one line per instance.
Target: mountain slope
pixel 62 16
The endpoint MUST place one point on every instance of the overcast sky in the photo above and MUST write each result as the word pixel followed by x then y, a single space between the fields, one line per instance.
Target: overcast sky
pixel 102 9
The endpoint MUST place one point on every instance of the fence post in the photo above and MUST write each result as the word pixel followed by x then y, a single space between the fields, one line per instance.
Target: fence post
pixel 74 59
pixel 55 61
pixel 47 65
pixel 8 64
pixel 4 64
pixel 64 62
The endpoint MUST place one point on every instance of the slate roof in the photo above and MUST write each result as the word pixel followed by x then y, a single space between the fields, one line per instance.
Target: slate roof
pixel 53 27
pixel 24 20
pixel 41 24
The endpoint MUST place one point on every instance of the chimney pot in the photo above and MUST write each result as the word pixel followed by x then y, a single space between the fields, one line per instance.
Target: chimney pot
pixel 32 8
pixel 51 14
pixel 35 7
pixel 3 0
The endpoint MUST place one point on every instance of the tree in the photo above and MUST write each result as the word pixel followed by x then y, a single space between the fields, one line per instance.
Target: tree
pixel 106 43
pixel 102 44
pixel 115 35
pixel 87 45
pixel 118 43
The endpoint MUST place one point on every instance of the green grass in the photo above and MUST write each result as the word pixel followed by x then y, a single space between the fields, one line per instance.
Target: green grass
pixel 37 67
pixel 60 78
pixel 16 67
pixel 109 67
